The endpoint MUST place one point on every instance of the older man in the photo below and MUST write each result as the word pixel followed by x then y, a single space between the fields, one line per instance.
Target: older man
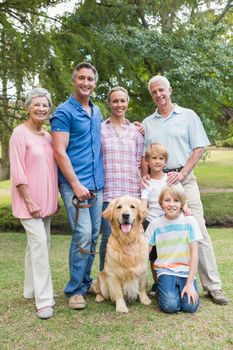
pixel 181 132
pixel 76 126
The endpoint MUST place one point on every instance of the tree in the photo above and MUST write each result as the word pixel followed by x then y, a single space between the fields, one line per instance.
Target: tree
pixel 21 28
pixel 130 41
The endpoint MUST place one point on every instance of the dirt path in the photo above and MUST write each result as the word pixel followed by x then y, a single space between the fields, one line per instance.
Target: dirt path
pixel 4 192
pixel 214 190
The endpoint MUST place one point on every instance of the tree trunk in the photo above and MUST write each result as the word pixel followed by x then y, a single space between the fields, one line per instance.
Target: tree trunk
pixel 4 160
pixel 4 133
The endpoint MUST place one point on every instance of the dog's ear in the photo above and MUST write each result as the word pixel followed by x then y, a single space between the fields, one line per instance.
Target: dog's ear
pixel 108 212
pixel 142 210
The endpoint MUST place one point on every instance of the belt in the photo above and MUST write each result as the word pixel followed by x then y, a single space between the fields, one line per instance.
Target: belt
pixel 177 170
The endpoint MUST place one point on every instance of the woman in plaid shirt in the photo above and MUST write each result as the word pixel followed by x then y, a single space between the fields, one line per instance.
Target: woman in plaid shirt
pixel 122 150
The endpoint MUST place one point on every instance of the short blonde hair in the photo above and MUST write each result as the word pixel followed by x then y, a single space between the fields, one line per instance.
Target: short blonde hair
pixel 175 191
pixel 156 148
pixel 118 88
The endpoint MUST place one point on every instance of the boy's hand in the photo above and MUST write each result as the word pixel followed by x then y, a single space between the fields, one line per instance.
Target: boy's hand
pixel 191 293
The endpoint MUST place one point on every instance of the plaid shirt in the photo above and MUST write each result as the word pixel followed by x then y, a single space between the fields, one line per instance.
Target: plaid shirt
pixel 122 151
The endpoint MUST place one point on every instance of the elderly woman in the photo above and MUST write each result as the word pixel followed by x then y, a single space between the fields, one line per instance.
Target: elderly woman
pixel 35 196
pixel 122 150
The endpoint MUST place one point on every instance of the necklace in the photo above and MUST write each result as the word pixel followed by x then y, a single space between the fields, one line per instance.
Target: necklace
pixel 34 131
pixel 119 132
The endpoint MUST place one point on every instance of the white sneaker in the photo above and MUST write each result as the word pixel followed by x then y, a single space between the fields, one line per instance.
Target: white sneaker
pixel 45 312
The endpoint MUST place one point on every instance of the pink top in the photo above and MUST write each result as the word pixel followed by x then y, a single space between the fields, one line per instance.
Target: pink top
pixel 122 151
pixel 33 164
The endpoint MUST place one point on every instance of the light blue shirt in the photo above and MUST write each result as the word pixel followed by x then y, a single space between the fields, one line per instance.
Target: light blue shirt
pixel 179 133
pixel 84 148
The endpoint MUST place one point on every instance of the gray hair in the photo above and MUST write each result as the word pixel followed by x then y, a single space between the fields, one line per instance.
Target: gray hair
pixel 159 78
pixel 37 92
pixel 86 65
pixel 118 88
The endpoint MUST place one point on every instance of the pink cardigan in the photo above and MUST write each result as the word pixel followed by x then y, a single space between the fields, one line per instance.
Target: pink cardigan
pixel 33 164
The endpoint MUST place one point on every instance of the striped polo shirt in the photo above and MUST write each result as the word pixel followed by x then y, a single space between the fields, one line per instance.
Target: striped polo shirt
pixel 172 239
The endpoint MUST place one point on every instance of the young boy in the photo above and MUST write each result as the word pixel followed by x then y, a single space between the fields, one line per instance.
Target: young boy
pixel 176 237
pixel 156 157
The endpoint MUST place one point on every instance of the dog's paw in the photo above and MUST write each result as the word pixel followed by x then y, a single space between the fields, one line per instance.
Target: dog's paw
pixel 123 310
pixel 145 300
pixel 121 307
pixel 99 298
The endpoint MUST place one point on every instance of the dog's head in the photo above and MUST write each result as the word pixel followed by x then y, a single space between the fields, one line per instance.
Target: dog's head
pixel 125 213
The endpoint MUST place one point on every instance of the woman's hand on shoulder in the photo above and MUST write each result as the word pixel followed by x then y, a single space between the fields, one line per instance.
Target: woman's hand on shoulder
pixel 145 181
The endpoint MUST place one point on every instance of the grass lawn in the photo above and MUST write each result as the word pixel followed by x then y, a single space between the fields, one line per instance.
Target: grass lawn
pixel 99 326
pixel 217 170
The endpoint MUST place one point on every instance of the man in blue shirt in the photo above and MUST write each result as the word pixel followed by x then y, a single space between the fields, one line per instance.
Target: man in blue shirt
pixel 76 126
pixel 181 132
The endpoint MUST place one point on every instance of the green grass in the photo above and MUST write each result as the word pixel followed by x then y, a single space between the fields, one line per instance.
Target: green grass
pixel 99 326
pixel 217 170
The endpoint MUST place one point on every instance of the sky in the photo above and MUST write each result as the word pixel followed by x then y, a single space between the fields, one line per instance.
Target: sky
pixel 59 9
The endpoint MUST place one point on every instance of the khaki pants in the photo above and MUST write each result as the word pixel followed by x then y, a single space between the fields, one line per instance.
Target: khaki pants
pixel 38 281
pixel 207 267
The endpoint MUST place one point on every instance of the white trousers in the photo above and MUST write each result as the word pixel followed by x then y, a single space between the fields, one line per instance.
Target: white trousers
pixel 38 280
pixel 207 267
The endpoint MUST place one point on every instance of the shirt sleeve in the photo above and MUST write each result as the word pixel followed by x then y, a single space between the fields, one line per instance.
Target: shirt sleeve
pixel 139 145
pixel 60 120
pixel 145 141
pixel 194 230
pixel 150 234
pixel 17 159
pixel 197 134
pixel 145 193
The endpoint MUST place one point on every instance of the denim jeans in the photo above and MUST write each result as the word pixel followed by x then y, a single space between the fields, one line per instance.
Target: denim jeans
pixel 170 288
pixel 106 231
pixel 87 231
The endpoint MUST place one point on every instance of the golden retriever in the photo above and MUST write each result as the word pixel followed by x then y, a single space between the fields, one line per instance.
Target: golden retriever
pixel 125 271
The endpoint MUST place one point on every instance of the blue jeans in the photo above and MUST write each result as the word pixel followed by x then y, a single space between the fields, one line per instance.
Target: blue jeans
pixel 106 231
pixel 170 288
pixel 87 231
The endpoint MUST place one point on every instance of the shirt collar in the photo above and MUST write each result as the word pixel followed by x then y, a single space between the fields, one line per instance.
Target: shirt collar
pixel 177 110
pixel 108 121
pixel 76 103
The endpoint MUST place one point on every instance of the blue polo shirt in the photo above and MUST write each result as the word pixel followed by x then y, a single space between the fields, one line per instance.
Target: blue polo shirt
pixel 84 148
pixel 179 133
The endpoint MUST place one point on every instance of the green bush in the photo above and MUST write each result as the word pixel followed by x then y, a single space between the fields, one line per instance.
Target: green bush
pixel 217 209
pixel 225 143
pixel 8 222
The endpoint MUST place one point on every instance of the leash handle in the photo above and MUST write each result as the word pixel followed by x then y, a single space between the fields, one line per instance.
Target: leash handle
pixel 77 205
